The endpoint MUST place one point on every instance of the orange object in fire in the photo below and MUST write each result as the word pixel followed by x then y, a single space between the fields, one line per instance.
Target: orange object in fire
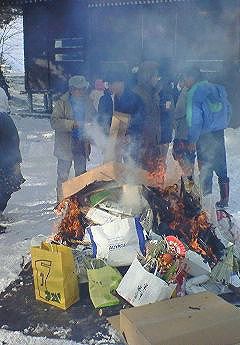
pixel 167 259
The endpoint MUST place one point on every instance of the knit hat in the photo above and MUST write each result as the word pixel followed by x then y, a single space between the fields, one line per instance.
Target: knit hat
pixel 79 82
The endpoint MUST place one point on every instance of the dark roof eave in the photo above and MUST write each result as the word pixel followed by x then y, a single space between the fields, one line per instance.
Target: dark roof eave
pixel 96 3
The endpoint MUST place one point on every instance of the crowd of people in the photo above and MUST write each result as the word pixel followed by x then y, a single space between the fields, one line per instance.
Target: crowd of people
pixel 189 112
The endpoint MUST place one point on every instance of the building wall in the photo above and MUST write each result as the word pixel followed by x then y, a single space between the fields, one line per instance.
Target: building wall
pixel 174 34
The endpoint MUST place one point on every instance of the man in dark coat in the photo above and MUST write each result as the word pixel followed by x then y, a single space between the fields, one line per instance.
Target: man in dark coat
pixel 105 111
pixel 10 156
pixel 148 89
pixel 167 108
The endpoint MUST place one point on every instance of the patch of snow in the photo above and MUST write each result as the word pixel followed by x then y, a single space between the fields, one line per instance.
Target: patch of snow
pixel 18 338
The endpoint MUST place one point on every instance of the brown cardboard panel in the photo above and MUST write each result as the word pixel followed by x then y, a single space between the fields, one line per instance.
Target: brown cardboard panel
pixel 117 133
pixel 115 322
pixel 202 319
pixel 119 125
pixel 107 172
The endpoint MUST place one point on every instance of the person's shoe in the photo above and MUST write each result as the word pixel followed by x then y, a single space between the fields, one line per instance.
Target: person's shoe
pixel 3 217
pixel 2 229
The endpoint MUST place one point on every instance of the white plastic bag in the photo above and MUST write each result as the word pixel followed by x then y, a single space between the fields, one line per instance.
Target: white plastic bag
pixel 139 287
pixel 228 230
pixel 196 265
pixel 118 242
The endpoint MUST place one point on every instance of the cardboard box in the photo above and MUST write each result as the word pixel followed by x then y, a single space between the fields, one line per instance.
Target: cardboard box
pixel 119 172
pixel 115 322
pixel 202 319
pixel 117 133
pixel 119 125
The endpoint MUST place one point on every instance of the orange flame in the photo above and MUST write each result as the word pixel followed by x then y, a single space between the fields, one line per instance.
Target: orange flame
pixel 70 225
pixel 156 173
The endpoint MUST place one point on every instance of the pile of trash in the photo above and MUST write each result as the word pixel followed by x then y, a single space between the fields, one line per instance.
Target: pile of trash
pixel 111 220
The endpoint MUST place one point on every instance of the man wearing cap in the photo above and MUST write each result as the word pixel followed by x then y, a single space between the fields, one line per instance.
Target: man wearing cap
pixel 69 118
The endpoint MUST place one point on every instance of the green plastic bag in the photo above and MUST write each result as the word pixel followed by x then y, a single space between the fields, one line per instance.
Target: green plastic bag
pixel 99 197
pixel 102 281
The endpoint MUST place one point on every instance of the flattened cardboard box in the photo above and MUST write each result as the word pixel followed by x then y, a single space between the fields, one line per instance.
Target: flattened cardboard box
pixel 202 319
pixel 107 172
pixel 118 130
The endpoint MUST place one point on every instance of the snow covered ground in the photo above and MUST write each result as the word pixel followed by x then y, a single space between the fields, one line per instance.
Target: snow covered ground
pixel 31 207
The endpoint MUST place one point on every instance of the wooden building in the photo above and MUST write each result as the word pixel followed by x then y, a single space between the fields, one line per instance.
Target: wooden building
pixel 92 37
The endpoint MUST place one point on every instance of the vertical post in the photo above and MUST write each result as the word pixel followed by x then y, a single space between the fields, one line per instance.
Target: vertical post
pixel 50 103
pixel 45 102
pixel 30 102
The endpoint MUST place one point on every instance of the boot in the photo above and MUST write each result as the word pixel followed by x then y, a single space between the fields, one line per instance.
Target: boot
pixel 224 194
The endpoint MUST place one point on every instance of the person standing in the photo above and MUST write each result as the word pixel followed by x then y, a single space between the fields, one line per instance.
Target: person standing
pixel 167 108
pixel 147 89
pixel 208 114
pixel 183 151
pixel 97 92
pixel 105 110
pixel 11 177
pixel 69 118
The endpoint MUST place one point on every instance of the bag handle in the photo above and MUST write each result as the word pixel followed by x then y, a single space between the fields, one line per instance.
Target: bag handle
pixel 100 259
pixel 35 237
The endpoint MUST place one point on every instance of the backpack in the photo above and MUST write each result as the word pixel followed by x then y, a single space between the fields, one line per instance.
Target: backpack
pixel 216 109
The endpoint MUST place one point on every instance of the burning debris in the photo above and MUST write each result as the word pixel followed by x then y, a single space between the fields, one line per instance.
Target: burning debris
pixel 173 211
pixel 164 235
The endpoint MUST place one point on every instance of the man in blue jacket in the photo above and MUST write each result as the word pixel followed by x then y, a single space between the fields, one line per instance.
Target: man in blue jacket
pixel 207 116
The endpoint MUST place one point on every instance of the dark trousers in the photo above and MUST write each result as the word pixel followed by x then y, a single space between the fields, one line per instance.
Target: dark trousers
pixel 63 169
pixel 211 155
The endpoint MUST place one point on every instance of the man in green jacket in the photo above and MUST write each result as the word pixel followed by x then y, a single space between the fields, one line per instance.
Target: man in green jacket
pixel 69 118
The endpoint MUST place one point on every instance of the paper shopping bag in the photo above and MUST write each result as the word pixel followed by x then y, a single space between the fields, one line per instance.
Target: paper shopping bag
pixel 140 287
pixel 102 282
pixel 55 280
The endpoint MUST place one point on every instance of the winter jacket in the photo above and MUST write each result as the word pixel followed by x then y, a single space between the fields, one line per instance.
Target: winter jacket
pixel 62 121
pixel 199 120
pixel 180 116
pixel 95 96
pixel 105 111
pixel 9 142
pixel 130 103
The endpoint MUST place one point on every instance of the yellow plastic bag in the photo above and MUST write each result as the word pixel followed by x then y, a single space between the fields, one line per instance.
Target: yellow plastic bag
pixel 54 275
